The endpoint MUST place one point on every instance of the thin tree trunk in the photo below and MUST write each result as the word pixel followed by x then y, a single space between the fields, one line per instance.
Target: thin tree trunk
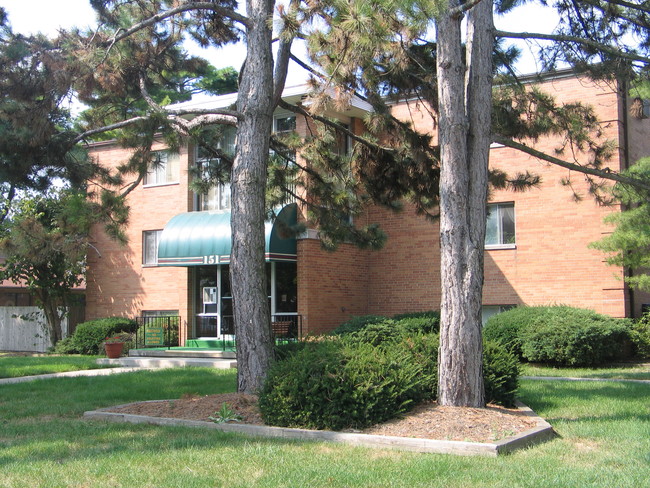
pixel 52 317
pixel 464 144
pixel 249 172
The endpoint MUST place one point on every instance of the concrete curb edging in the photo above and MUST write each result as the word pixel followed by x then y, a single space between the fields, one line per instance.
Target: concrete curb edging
pixel 542 432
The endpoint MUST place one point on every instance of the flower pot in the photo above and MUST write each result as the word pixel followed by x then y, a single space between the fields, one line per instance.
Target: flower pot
pixel 114 350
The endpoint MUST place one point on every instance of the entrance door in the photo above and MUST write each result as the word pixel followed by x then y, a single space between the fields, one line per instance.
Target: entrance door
pixel 207 302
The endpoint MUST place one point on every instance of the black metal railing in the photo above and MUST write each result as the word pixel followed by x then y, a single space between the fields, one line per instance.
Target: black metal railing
pixel 157 331
pixel 286 327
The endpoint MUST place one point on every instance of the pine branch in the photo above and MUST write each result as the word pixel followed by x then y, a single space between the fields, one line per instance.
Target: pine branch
pixel 299 110
pixel 574 39
pixel 186 7
pixel 621 15
pixel 463 7
pixel 622 3
pixel 106 128
pixel 601 173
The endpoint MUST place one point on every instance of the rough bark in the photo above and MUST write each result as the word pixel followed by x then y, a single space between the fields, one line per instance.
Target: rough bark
pixel 464 89
pixel 52 317
pixel 249 171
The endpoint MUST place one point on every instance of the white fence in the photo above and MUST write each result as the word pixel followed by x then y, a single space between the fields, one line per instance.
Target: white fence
pixel 24 329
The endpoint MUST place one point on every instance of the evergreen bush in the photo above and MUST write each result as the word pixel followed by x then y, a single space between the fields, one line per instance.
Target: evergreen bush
pixel 88 336
pixel 575 337
pixel 425 322
pixel 357 323
pixel 348 383
pixel 339 384
pixel 506 327
pixel 500 374
pixel 640 336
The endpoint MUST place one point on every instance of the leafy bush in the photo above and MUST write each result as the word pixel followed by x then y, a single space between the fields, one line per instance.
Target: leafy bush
pixel 357 323
pixel 346 382
pixel 378 333
pixel 559 335
pixel 506 327
pixel 425 322
pixel 65 346
pixel 574 337
pixel 500 374
pixel 640 336
pixel 89 336
pixel 337 384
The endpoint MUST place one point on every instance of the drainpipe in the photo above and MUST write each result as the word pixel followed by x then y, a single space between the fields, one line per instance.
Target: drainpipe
pixel 628 271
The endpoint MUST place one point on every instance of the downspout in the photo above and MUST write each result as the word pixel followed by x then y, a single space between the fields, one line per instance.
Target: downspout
pixel 628 271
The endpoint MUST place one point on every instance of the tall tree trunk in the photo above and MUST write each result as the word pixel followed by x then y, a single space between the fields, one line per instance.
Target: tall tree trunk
pixel 464 132
pixel 249 172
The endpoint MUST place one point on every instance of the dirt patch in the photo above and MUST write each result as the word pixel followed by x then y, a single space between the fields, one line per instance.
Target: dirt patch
pixel 427 420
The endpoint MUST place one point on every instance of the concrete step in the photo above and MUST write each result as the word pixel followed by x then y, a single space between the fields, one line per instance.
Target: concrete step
pixel 182 353
pixel 170 362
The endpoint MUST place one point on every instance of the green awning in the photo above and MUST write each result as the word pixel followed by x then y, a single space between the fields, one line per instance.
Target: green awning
pixel 203 238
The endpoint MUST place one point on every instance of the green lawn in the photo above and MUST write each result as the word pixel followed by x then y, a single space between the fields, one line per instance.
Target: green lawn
pixel 604 441
pixel 14 366
pixel 629 371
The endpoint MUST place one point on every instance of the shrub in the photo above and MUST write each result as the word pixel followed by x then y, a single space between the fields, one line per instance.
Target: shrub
pixel 357 323
pixel 574 337
pixel 342 383
pixel 640 336
pixel 65 346
pixel 500 374
pixel 425 322
pixel 506 327
pixel 89 336
pixel 338 384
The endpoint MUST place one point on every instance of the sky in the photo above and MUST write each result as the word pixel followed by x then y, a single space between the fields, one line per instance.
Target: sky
pixel 47 16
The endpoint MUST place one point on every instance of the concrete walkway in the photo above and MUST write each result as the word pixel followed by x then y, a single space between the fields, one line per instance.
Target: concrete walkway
pixel 69 374
pixel 228 363
pixel 562 378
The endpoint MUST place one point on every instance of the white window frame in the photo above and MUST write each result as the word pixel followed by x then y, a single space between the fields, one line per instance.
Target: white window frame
pixel 163 173
pixel 221 190
pixel 146 234
pixel 284 117
pixel 495 209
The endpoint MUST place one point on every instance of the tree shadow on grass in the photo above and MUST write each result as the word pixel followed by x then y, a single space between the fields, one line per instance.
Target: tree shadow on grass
pixel 587 401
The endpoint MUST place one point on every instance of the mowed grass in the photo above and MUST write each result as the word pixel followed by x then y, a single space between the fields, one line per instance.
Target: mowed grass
pixel 629 371
pixel 603 427
pixel 14 366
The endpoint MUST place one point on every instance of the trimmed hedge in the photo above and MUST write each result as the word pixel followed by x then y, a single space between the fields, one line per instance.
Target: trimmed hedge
pixel 357 323
pixel 337 384
pixel 350 383
pixel 640 336
pixel 89 336
pixel 377 329
pixel 560 335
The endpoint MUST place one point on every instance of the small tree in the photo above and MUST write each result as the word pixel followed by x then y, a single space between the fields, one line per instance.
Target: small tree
pixel 44 242
pixel 629 244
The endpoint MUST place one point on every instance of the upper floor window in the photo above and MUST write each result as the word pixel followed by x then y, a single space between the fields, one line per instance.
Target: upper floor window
pixel 218 196
pixel 500 229
pixel 150 242
pixel 285 124
pixel 164 169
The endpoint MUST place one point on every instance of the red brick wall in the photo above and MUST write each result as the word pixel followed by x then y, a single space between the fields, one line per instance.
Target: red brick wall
pixel 551 262
pixel 332 286
pixel 118 283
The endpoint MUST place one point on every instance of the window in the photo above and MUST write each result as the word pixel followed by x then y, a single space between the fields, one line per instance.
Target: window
pixel 500 231
pixel 284 125
pixel 218 196
pixel 164 169
pixel 150 241
pixel 488 311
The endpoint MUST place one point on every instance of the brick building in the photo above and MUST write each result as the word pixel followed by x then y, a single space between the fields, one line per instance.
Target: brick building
pixel 176 260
